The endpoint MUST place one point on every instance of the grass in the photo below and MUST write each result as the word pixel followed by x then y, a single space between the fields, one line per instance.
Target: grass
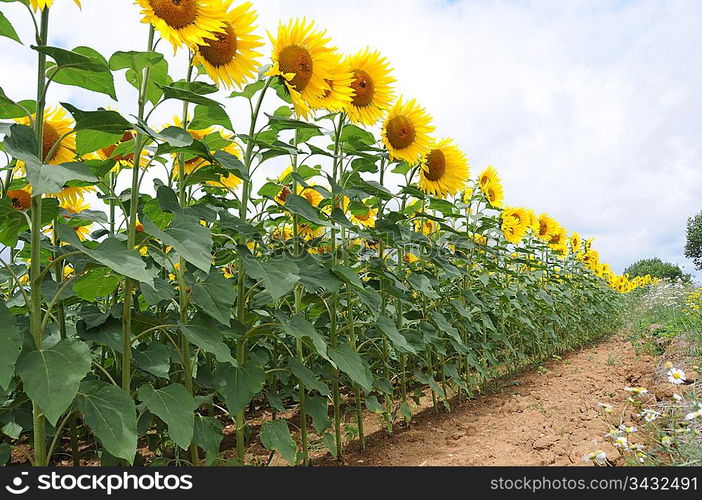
pixel 657 317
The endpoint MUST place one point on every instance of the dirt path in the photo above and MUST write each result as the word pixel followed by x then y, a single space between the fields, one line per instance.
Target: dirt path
pixel 536 419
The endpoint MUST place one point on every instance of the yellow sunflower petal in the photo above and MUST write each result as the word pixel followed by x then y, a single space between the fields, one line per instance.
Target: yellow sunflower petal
pixel 305 61
pixel 185 22
pixel 59 143
pixel 372 85
pixel 340 94
pixel 406 132
pixel 444 171
pixel 494 193
pixel 515 224
pixel 43 4
pixel 230 57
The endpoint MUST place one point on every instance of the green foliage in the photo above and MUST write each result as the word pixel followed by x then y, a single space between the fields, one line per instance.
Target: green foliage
pixel 111 415
pixel 51 376
pixel 175 406
pixel 195 304
pixel 693 247
pixel 656 268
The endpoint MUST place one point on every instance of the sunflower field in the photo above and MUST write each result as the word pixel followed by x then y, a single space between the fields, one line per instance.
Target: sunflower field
pixel 164 299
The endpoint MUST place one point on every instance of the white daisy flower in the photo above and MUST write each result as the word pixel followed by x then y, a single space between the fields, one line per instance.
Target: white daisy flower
pixel 695 414
pixel 677 397
pixel 621 442
pixel 650 415
pixel 607 408
pixel 666 441
pixel 676 377
pixel 598 457
pixel 613 434
pixel 637 391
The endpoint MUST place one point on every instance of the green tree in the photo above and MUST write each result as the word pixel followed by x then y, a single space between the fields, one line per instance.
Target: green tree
pixel 657 269
pixel 693 248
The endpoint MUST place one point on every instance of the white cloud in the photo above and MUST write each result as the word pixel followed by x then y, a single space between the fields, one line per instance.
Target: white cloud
pixel 591 110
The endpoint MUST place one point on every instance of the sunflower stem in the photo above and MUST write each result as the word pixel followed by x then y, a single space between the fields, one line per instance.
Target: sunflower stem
pixel 35 319
pixel 182 289
pixel 334 304
pixel 241 278
pixel 300 347
pixel 130 285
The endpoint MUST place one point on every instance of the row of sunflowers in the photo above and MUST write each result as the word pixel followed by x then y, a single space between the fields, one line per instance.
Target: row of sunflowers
pixel 160 290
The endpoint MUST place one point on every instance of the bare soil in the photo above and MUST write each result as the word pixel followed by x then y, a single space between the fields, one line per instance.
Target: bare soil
pixel 542 417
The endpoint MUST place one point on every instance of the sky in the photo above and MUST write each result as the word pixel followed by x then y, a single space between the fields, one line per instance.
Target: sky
pixel 591 110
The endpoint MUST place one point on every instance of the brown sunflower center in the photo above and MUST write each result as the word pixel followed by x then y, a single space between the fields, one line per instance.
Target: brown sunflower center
pixel 109 150
pixel 51 137
pixel 401 132
pixel 365 217
pixel 298 61
pixel 364 87
pixel 176 13
pixel 20 199
pixel 283 195
pixel 328 92
pixel 543 229
pixel 222 49
pixel 435 165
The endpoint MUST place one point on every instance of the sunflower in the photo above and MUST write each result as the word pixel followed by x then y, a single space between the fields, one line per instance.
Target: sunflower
pixel 44 4
pixel 123 159
pixel 59 142
pixel 340 94
pixel 547 226
pixel 108 153
pixel 406 131
pixel 185 22
pixel 444 170
pixel 533 220
pixel 21 199
pixel 606 271
pixel 559 238
pixel 76 206
pixel 515 224
pixel 230 56
pixel 310 232
pixel 425 226
pixel 285 176
pixel 480 239
pixel 72 194
pixel 366 219
pixel 372 85
pixel 410 258
pixel 305 62
pixel 591 259
pixel 489 175
pixel 576 242
pixel 560 250
pixel 494 193
pixel 69 194
pixel 312 196
pixel 468 193
pixel 230 181
pixel 282 233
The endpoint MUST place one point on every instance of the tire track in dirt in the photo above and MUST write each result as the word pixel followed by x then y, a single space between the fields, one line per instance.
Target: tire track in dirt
pixel 537 418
